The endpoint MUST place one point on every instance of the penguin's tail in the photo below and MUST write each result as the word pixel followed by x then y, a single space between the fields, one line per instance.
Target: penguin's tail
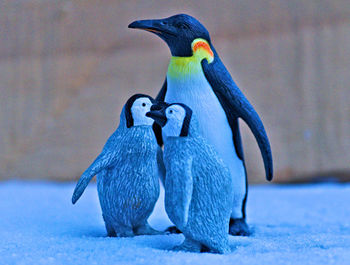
pixel 81 185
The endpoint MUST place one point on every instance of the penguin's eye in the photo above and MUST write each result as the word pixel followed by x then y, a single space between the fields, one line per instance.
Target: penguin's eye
pixel 144 104
pixel 163 23
pixel 171 111
pixel 182 26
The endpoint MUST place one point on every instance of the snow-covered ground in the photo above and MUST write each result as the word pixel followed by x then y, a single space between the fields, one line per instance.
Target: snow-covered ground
pixel 292 225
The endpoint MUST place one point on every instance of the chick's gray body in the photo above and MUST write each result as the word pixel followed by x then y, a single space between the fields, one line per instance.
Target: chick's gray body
pixel 129 189
pixel 191 159
pixel 127 172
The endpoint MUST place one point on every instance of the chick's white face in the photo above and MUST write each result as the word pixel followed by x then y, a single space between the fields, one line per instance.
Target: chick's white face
pixel 175 115
pixel 138 111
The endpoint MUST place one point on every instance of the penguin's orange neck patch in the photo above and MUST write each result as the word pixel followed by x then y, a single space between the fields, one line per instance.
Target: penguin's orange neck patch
pixel 201 48
pixel 202 45
pixel 180 67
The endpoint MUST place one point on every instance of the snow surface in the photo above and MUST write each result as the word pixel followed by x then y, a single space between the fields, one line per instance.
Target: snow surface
pixel 307 224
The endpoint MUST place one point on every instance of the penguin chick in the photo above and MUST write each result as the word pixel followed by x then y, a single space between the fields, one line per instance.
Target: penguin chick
pixel 127 172
pixel 198 185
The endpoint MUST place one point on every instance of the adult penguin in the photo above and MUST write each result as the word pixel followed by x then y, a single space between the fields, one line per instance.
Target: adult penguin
pixel 197 77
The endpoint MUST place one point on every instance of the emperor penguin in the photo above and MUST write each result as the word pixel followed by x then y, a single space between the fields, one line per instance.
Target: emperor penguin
pixel 197 77
pixel 127 172
pixel 198 184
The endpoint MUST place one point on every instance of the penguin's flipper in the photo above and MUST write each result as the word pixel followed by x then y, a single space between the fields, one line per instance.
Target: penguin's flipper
pixel 160 164
pixel 237 106
pixel 161 95
pixel 101 162
pixel 180 190
pixel 156 127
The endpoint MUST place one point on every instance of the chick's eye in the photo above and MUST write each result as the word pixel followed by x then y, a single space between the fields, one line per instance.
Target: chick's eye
pixel 171 111
pixel 143 104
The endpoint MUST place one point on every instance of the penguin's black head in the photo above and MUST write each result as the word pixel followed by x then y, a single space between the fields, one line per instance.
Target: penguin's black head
pixel 178 32
pixel 174 118
pixel 136 108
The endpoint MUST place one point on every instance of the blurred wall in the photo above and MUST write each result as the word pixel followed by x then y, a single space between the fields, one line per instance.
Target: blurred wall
pixel 67 67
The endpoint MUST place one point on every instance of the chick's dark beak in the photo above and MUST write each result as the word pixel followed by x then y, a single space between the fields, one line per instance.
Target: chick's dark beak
pixel 158 116
pixel 159 105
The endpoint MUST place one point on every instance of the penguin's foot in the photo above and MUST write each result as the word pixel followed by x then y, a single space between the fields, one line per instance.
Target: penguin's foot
pixel 218 247
pixel 111 234
pixel 189 245
pixel 217 250
pixel 172 230
pixel 124 231
pixel 146 229
pixel 110 230
pixel 238 227
pixel 125 234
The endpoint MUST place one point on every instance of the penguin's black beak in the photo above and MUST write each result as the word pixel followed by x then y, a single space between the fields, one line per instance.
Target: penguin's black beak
pixel 158 105
pixel 158 115
pixel 158 26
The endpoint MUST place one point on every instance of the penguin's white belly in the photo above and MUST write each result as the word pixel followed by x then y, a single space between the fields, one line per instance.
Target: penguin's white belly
pixel 213 125
pixel 196 92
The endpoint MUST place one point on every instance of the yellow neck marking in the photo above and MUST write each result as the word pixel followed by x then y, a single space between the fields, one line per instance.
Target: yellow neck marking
pixel 183 66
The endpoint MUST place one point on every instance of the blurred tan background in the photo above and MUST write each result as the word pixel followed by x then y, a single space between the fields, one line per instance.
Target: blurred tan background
pixel 67 67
